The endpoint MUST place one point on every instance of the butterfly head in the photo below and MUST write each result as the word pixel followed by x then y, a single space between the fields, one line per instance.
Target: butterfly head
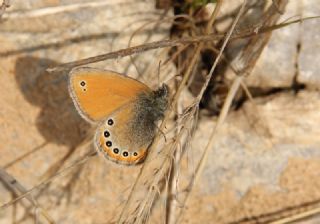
pixel 161 98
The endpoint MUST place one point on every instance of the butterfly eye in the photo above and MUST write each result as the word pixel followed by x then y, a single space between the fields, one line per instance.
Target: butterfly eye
pixel 109 144
pixel 135 154
pixel 106 134
pixel 116 150
pixel 110 122
pixel 125 154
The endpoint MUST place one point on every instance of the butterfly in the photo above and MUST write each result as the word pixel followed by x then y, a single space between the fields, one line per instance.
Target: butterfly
pixel 125 110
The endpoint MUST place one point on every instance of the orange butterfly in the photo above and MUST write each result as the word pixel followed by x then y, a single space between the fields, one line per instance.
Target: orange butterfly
pixel 125 110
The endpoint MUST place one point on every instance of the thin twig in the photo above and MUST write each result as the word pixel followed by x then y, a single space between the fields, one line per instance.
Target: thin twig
pixel 155 27
pixel 23 156
pixel 171 216
pixel 298 216
pixel 134 50
pixel 170 43
pixel 44 183
pixel 289 214
pixel 132 209
pixel 15 186
pixel 224 111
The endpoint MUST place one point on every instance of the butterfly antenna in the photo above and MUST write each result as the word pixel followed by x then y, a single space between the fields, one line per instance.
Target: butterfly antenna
pixel 159 73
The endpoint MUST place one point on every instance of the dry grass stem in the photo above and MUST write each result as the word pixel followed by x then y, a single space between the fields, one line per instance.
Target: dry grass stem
pixel 128 214
pixel 25 155
pixel 247 58
pixel 286 215
pixel 145 205
pixel 17 188
pixel 172 207
pixel 45 182
pixel 224 111
pixel 170 43
pixel 298 216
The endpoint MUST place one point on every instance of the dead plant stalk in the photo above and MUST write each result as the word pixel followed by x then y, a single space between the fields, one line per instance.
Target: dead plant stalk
pixel 137 208
pixel 226 106
pixel 171 216
pixel 15 186
pixel 170 43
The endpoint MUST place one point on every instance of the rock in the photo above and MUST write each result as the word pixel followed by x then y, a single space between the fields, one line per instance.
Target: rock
pixel 308 61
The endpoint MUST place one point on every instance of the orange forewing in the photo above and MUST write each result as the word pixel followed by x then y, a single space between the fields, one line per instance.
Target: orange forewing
pixel 101 91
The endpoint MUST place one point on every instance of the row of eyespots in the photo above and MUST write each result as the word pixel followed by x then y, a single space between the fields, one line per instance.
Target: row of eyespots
pixel 116 150
pixel 106 134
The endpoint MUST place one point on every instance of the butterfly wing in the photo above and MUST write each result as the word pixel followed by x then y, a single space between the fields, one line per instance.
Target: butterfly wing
pixel 97 93
pixel 125 136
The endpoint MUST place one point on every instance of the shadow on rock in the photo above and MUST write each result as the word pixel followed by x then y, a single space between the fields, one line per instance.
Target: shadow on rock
pixel 58 120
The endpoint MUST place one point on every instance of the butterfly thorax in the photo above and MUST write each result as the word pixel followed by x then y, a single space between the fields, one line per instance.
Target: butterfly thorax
pixel 149 109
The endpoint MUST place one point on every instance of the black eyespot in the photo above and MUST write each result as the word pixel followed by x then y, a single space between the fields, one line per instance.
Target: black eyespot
pixel 82 83
pixel 116 150
pixel 110 122
pixel 125 154
pixel 108 143
pixel 106 134
pixel 135 153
